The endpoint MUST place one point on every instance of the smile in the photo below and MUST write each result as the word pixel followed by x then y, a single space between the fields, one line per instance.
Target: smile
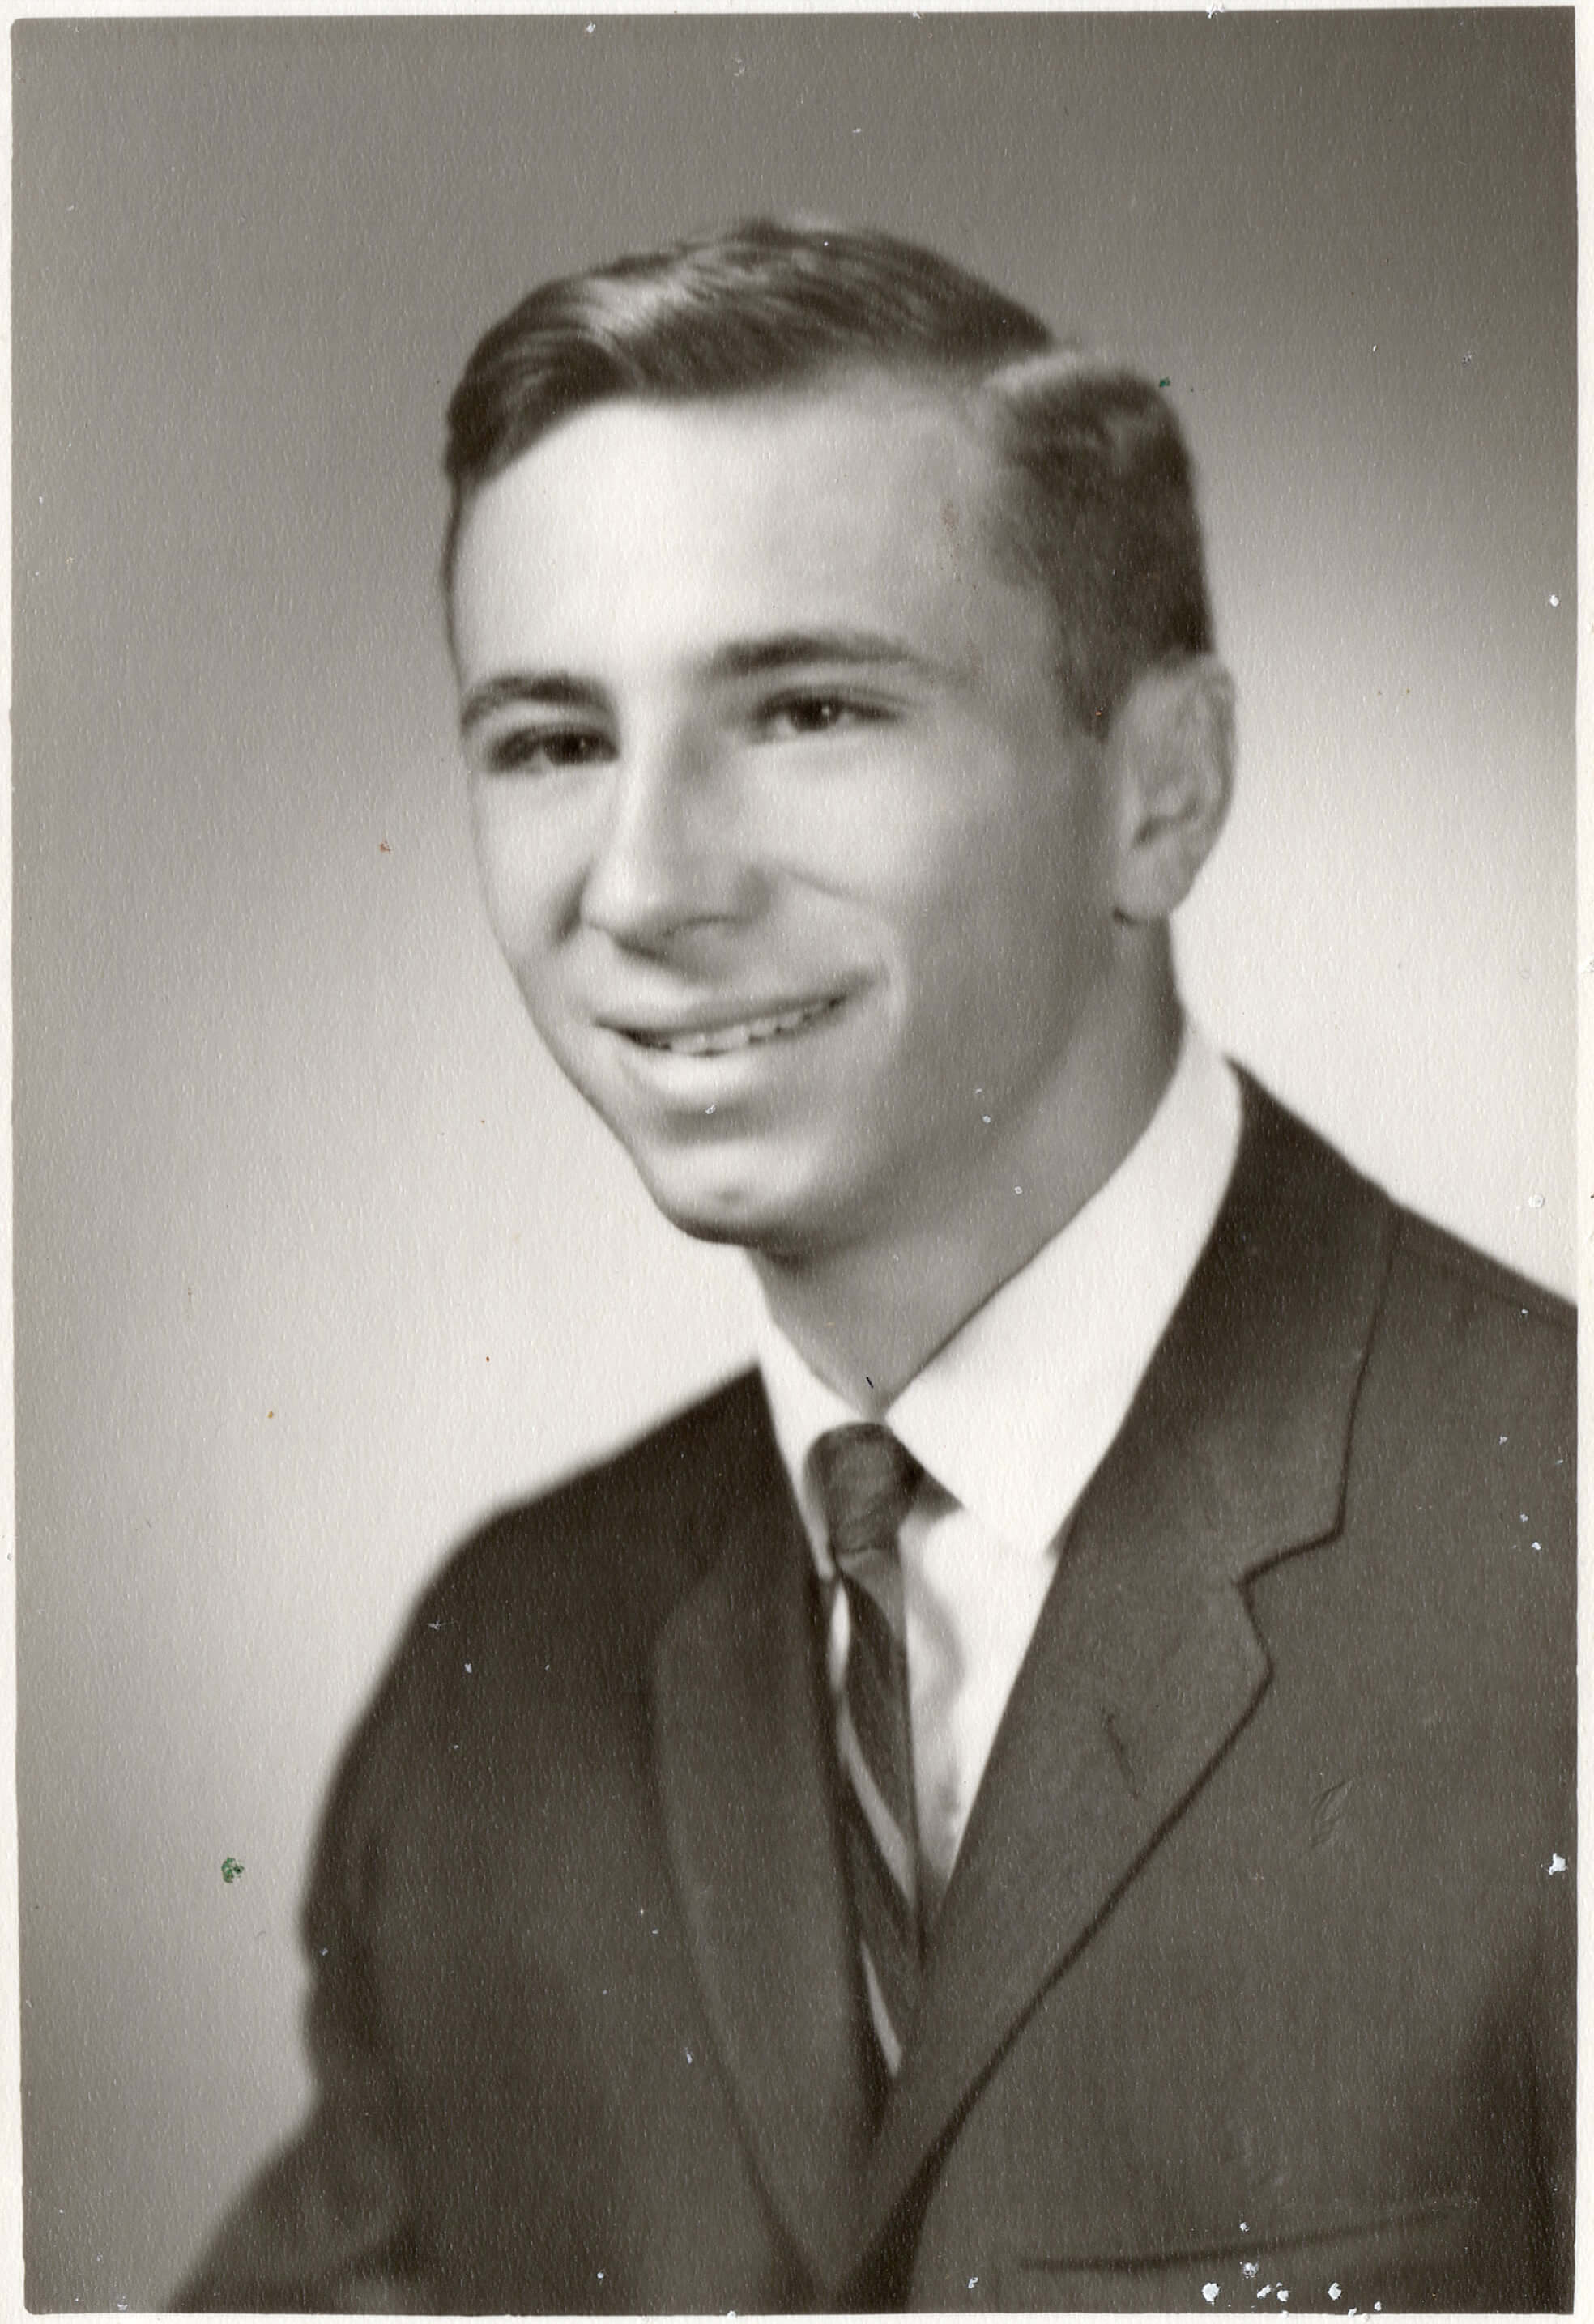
pixel 719 1040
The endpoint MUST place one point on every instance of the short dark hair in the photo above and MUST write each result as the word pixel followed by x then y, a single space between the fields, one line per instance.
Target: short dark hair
pixel 1095 502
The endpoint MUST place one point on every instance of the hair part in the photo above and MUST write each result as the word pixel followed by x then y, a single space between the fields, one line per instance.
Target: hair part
pixel 1094 499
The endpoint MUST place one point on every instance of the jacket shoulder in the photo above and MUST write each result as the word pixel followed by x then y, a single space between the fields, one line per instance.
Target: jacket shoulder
pixel 594 1566
pixel 1302 1171
pixel 1474 1367
pixel 641 1517
pixel 665 1476
pixel 1460 1477
pixel 1431 1252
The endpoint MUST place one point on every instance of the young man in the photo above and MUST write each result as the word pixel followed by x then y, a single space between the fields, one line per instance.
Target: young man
pixel 1050 1792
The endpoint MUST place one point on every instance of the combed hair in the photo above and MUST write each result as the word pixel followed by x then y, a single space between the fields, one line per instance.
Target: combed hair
pixel 1094 504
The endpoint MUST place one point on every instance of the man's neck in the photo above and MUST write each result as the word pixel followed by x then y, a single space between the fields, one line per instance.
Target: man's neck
pixel 867 1316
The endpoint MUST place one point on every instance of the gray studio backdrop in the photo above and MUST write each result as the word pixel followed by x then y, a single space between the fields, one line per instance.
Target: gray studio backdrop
pixel 315 1260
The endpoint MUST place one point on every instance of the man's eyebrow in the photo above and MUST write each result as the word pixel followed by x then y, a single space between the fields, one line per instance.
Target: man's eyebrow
pixel 764 657
pixel 801 649
pixel 548 690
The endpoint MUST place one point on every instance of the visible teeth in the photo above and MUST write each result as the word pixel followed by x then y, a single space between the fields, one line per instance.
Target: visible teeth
pixel 724 1038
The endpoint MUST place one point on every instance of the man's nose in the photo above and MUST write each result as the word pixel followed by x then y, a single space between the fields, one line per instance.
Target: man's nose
pixel 670 855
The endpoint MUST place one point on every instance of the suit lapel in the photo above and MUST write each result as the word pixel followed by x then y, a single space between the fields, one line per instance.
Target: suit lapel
pixel 1146 1662
pixel 745 1761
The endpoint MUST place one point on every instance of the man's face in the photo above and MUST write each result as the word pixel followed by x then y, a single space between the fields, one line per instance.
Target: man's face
pixel 800 868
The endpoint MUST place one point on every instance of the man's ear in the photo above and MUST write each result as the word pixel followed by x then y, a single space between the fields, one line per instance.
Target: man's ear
pixel 1172 751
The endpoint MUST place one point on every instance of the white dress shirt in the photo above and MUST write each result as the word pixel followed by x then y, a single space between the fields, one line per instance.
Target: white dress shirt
pixel 1009 1420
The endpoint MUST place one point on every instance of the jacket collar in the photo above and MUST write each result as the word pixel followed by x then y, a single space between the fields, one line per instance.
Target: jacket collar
pixel 1144 1667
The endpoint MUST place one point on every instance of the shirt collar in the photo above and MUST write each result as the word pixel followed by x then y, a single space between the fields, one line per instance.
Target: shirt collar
pixel 1014 1415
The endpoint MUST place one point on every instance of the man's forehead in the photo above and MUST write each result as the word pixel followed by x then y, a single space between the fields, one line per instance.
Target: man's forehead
pixel 801 498
pixel 779 445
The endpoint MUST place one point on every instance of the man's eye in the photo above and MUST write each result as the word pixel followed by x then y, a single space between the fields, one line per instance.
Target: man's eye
pixel 798 714
pixel 545 750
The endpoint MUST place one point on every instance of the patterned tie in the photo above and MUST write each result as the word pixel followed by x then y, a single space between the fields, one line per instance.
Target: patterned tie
pixel 867 1481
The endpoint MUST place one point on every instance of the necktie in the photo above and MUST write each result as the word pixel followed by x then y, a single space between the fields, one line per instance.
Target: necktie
pixel 867 1481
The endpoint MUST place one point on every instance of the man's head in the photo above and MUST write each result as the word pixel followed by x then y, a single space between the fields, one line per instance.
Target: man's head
pixel 835 669
pixel 1091 492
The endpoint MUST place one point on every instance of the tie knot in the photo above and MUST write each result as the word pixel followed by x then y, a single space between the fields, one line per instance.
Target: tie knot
pixel 866 1481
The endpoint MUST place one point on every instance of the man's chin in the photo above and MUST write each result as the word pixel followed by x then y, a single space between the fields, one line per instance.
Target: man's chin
pixel 748 1225
pixel 729 1208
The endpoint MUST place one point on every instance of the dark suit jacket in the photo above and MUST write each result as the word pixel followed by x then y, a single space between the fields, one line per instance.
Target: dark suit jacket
pixel 1256 1973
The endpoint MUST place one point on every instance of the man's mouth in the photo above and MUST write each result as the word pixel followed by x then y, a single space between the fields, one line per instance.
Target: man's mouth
pixel 745 1033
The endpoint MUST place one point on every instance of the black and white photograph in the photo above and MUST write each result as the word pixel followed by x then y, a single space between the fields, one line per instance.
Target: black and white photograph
pixel 795 991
